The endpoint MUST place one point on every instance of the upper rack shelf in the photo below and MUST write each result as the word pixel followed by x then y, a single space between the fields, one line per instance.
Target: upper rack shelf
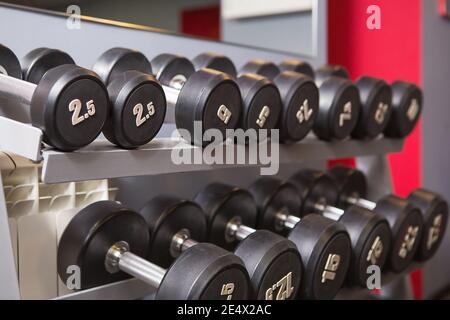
pixel 102 160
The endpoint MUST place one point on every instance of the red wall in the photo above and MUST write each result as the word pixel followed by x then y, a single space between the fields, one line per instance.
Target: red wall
pixel 204 22
pixel 392 53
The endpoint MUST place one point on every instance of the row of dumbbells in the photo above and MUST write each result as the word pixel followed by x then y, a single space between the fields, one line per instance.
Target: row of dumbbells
pixel 126 97
pixel 302 238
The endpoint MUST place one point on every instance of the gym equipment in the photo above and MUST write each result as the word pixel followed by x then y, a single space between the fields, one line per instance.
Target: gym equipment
pixel 336 112
pixel 407 104
pixel 405 219
pixel 369 232
pixel 174 223
pixel 376 105
pixel 324 244
pixel 273 262
pixel 207 97
pixel 68 103
pixel 138 103
pixel 433 207
pixel 261 99
pixel 107 242
pixel 299 95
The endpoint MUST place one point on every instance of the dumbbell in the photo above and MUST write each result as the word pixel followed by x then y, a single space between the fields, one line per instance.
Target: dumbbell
pixel 369 232
pixel 299 95
pixel 261 99
pixel 109 242
pixel 375 101
pixel 174 223
pixel 393 110
pixel 206 96
pixel 68 103
pixel 324 244
pixel 273 262
pixel 405 219
pixel 338 108
pixel 433 207
pixel 138 103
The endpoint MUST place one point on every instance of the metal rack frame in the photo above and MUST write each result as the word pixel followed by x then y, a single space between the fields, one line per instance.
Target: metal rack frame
pixel 141 174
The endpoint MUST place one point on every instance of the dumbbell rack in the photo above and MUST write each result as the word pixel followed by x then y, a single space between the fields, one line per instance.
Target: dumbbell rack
pixel 134 177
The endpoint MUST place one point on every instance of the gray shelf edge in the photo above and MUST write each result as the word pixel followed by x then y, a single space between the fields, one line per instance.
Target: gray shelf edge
pixel 103 161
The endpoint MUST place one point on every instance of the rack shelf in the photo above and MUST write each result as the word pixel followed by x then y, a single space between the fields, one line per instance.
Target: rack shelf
pixel 101 160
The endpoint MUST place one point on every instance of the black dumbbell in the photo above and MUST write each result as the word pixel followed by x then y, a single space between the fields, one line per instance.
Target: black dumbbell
pixel 338 107
pixel 138 103
pixel 324 244
pixel 405 219
pixel 68 103
pixel 297 65
pixel 174 223
pixel 207 97
pixel 273 262
pixel 369 232
pixel 393 110
pixel 434 208
pixel 299 95
pixel 407 102
pixel 261 99
pixel 375 99
pixel 109 242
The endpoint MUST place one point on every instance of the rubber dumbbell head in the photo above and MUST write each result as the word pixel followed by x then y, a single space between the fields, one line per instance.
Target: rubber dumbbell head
pixel 324 244
pixel 405 219
pixel 9 63
pixel 369 232
pixel 207 97
pixel 297 65
pixel 69 104
pixel 38 61
pixel 299 95
pixel 434 210
pixel 261 101
pixel 138 103
pixel 376 107
pixel 215 61
pixel 407 102
pixel 108 242
pixel 339 106
pixel 273 262
pixel 176 226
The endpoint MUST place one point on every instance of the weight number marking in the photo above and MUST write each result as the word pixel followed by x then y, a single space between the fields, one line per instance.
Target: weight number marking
pixel 75 107
pixel 263 115
pixel 408 241
pixel 227 290
pixel 284 286
pixel 138 111
pixel 304 113
pixel 375 251
pixel 224 114
pixel 346 114
pixel 332 265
